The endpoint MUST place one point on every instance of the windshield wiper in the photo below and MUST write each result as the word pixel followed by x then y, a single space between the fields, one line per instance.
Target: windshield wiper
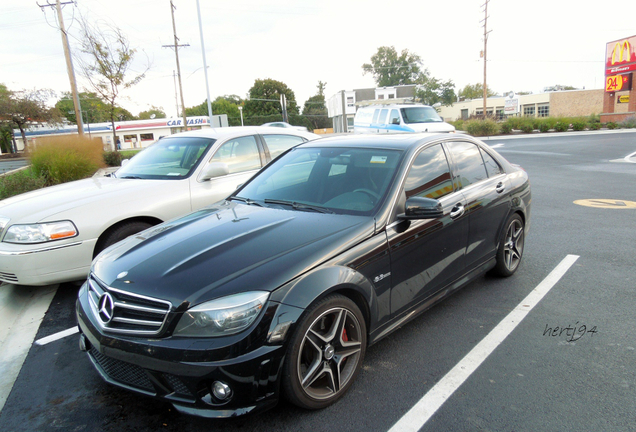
pixel 130 177
pixel 298 206
pixel 245 200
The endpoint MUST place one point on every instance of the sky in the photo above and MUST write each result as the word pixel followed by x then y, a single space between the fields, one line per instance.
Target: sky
pixel 531 44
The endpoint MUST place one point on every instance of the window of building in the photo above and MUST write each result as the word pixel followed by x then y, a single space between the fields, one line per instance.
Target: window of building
pixel 380 97
pixel 391 96
pixel 499 113
pixel 479 112
pixel 543 110
pixel 528 110
pixel 350 101
pixel 147 137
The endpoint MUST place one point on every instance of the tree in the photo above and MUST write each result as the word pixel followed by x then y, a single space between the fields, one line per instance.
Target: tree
pixel 475 91
pixel 315 109
pixel 156 111
pixel 222 105
pixel 434 90
pixel 264 99
pixel 390 69
pixel 94 109
pixel 558 87
pixel 21 108
pixel 109 59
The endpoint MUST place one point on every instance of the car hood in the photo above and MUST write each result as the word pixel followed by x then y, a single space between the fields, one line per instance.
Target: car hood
pixel 44 204
pixel 226 249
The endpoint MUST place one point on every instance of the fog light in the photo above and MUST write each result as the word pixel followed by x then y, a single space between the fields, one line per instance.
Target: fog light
pixel 221 390
pixel 83 343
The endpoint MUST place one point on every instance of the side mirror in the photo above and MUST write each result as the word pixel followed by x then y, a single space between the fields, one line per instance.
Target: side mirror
pixel 422 208
pixel 215 169
pixel 125 162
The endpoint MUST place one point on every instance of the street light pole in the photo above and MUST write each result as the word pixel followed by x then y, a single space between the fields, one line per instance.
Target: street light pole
pixel 205 66
pixel 241 111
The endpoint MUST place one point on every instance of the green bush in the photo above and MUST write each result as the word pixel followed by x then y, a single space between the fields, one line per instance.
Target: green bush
pixel 486 127
pixel 561 126
pixel 112 158
pixel 578 125
pixel 594 126
pixel 505 127
pixel 64 159
pixel 629 123
pixel 20 182
pixel 544 126
pixel 527 126
pixel 612 125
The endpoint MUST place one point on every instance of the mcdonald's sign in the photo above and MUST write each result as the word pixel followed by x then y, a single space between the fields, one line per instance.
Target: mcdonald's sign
pixel 620 56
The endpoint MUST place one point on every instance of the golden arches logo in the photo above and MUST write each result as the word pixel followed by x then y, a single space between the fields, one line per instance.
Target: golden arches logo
pixel 622 47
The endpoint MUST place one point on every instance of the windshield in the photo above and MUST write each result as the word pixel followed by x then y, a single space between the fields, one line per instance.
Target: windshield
pixel 420 115
pixel 329 180
pixel 167 159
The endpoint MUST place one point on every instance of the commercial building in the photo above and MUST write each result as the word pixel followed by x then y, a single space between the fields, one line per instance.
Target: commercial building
pixel 131 134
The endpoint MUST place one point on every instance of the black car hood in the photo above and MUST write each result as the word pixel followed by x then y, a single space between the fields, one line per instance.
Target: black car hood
pixel 227 249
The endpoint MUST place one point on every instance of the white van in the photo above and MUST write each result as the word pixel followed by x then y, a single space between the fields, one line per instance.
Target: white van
pixel 399 119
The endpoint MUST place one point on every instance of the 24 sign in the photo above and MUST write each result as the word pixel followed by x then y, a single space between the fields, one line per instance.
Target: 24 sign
pixel 616 83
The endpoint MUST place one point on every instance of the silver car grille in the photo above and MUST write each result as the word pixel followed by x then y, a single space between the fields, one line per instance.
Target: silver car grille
pixel 120 311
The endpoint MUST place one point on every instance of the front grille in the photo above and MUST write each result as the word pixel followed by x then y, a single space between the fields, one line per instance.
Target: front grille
pixel 122 372
pixel 177 385
pixel 120 311
pixel 8 277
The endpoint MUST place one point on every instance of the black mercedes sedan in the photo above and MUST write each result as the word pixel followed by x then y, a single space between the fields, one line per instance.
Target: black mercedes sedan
pixel 279 289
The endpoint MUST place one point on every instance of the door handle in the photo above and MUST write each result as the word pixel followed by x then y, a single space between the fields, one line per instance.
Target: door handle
pixel 500 187
pixel 457 211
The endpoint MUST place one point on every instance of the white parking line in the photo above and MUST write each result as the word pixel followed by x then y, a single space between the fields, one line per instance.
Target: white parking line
pixel 427 406
pixel 57 336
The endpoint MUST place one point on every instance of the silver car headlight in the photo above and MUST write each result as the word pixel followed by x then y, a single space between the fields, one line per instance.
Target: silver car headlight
pixel 40 233
pixel 224 316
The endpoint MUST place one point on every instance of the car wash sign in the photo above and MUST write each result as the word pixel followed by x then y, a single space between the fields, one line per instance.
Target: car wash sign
pixel 620 61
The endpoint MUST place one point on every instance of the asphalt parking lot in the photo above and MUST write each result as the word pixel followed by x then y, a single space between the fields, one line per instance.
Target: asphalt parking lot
pixel 568 364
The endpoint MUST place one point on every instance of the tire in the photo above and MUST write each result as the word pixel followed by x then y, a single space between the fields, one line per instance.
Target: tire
pixel 118 233
pixel 325 353
pixel 511 245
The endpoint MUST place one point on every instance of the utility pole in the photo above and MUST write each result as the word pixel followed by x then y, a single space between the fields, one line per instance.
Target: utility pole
pixel 69 62
pixel 176 52
pixel 485 20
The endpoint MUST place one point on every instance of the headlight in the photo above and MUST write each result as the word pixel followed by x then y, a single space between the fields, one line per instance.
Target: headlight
pixel 40 233
pixel 222 317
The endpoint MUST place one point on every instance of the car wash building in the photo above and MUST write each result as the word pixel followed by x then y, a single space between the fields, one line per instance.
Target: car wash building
pixel 130 134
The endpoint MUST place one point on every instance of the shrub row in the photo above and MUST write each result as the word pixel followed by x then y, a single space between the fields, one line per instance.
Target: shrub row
pixel 529 125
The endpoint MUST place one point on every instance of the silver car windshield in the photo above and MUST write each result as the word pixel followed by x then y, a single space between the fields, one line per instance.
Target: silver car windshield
pixel 420 115
pixel 332 180
pixel 167 159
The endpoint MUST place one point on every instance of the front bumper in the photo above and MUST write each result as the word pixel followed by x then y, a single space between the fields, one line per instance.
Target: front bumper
pixel 182 371
pixel 45 264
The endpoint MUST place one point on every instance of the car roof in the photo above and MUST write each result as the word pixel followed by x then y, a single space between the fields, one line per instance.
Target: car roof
pixel 235 131
pixel 385 141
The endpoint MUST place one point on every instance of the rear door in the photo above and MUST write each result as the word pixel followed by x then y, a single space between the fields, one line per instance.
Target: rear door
pixel 483 183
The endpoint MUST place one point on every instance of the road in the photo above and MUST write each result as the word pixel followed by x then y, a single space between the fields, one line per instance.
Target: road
pixel 7 165
pixel 536 379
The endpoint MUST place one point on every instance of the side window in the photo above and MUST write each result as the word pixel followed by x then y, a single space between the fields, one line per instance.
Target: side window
pixel 492 167
pixel 383 114
pixel 376 114
pixel 395 117
pixel 240 154
pixel 470 165
pixel 279 143
pixel 429 175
